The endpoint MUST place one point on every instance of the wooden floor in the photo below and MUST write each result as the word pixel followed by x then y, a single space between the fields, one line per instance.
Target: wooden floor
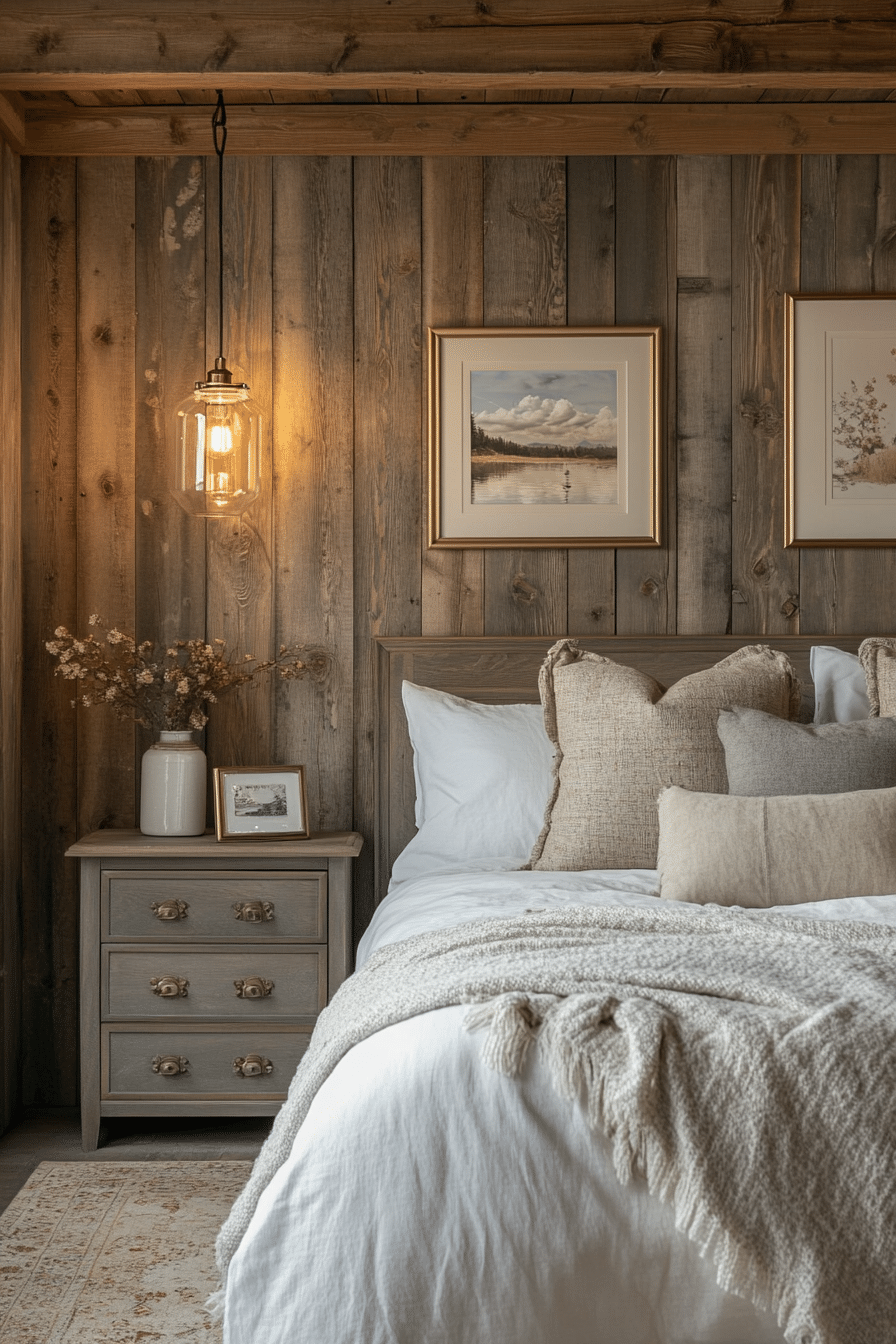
pixel 55 1136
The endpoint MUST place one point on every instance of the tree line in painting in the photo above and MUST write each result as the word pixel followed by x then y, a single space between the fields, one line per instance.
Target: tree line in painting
pixel 488 445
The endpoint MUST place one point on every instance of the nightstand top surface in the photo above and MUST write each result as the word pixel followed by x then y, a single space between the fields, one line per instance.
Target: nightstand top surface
pixel 135 845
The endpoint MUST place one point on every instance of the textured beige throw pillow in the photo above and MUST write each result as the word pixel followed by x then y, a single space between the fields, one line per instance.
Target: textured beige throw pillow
pixel 878 659
pixel 776 851
pixel 620 738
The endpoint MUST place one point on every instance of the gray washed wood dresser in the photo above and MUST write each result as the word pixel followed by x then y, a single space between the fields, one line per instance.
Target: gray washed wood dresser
pixel 204 965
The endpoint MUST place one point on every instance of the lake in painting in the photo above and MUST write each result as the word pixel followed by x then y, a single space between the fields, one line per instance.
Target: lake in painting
pixel 543 436
pixel 555 482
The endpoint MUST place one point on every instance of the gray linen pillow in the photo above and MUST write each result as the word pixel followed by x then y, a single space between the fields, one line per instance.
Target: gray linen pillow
pixel 619 737
pixel 766 756
pixel 776 851
pixel 878 658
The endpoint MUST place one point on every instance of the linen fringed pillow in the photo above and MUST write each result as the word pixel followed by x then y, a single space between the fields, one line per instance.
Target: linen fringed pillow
pixel 878 658
pixel 620 737
pixel 759 852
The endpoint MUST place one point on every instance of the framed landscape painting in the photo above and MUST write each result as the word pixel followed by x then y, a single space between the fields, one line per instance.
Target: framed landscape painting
pixel 841 420
pixel 544 436
pixel 264 802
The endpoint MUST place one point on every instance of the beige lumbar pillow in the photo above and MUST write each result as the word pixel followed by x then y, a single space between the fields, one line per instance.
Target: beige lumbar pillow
pixel 776 851
pixel 878 659
pixel 619 737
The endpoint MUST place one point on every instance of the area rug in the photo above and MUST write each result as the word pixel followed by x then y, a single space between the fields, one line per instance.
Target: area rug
pixel 114 1252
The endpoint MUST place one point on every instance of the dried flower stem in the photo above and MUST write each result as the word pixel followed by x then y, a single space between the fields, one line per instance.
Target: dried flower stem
pixel 168 688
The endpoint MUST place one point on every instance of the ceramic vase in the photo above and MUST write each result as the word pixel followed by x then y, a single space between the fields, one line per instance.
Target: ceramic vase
pixel 172 786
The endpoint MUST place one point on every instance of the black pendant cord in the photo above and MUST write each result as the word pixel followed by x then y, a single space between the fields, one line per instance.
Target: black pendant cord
pixel 219 130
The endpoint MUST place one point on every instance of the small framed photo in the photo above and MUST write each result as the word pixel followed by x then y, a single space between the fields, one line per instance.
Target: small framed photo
pixel 841 420
pixel 544 436
pixel 266 802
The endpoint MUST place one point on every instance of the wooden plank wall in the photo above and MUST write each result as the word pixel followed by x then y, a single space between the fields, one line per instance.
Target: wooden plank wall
pixel 334 270
pixel 10 623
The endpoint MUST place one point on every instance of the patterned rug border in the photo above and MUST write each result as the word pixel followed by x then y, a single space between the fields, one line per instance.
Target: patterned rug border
pixel 109 1252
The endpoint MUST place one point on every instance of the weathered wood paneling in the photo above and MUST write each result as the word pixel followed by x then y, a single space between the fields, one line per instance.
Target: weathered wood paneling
pixel 388 455
pixel 50 547
pixel 106 475
pixel 10 621
pixel 703 362
pixel 765 266
pixel 334 269
pixel 170 356
pixel 645 296
pixel 312 447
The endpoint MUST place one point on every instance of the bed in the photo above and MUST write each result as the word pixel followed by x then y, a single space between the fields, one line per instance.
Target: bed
pixel 424 1197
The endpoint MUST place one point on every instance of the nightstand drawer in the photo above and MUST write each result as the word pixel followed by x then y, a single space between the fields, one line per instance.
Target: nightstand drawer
pixel 140 1062
pixel 180 906
pixel 248 983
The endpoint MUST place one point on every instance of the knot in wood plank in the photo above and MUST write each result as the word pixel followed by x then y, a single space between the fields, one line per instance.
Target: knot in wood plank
pixel 45 41
pixel 522 590
pixel 649 588
pixel 791 606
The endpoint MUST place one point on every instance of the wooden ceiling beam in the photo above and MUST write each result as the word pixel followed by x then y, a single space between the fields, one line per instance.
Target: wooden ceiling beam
pixel 12 127
pixel 490 128
pixel 314 81
pixel 134 50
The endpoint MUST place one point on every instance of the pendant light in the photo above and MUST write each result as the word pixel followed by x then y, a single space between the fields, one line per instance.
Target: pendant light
pixel 218 427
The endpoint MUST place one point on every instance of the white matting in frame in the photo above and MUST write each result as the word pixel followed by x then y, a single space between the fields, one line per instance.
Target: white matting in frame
pixel 261 803
pixel 544 436
pixel 841 420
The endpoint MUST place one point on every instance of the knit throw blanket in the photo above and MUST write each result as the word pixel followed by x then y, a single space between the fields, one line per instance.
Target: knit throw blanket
pixel 743 1063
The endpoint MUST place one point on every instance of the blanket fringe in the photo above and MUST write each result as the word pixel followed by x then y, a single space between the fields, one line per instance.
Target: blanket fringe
pixel 513 1021
pixel 572 1036
pixel 214 1304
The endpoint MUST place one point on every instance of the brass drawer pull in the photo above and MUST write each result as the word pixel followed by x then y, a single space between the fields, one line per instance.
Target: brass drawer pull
pixel 252 1066
pixel 170 910
pixel 169 986
pixel 254 912
pixel 253 987
pixel 170 1065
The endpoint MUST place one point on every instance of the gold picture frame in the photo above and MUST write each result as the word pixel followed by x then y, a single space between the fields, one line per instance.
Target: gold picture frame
pixel 544 437
pixel 839 468
pixel 262 802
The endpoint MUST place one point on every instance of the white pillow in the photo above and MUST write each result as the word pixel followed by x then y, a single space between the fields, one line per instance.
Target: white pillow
pixel 483 776
pixel 841 691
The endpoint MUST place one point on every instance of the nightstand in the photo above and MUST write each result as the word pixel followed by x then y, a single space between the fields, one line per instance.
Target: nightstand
pixel 204 965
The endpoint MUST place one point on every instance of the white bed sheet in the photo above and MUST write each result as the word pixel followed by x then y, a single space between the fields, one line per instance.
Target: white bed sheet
pixel 429 1200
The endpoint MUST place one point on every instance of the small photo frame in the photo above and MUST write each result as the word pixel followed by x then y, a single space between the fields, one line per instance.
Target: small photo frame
pixel 264 802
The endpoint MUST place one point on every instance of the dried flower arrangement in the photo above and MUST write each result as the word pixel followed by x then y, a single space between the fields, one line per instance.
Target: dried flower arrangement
pixel 170 688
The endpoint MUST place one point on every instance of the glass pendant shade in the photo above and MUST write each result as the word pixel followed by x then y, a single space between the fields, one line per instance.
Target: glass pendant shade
pixel 217 431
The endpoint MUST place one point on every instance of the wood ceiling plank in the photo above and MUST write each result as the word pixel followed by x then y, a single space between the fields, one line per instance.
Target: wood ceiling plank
pixel 404 14
pixel 132 50
pixel 512 129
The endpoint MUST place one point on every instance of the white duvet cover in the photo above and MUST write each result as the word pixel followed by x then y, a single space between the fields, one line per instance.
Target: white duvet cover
pixel 430 1200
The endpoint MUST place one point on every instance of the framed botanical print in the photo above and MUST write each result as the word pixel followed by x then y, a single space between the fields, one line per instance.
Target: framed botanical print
pixel 841 420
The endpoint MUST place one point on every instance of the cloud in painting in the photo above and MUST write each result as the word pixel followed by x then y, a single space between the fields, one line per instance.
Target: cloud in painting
pixel 536 419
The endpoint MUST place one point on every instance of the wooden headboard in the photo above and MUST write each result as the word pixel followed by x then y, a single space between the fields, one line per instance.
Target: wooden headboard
pixel 504 670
